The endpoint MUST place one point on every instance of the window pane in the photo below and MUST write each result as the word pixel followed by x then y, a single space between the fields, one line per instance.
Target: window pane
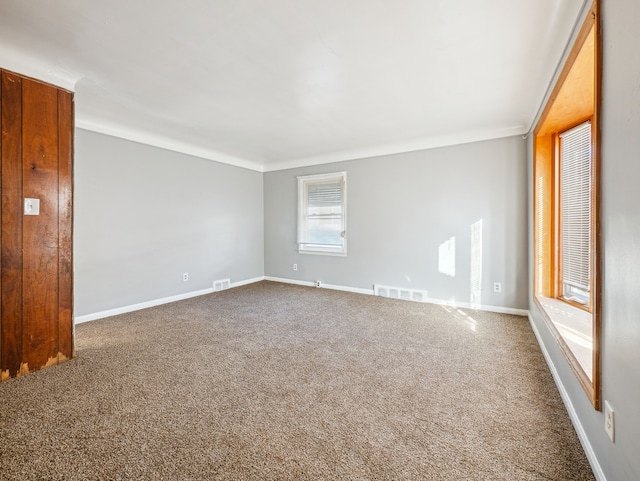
pixel 324 230
pixel 575 212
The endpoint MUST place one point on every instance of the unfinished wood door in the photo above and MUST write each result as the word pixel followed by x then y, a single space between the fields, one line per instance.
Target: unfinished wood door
pixel 36 149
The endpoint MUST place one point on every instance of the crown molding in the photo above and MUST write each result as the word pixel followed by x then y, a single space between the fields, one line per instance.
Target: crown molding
pixel 339 156
pixel 423 143
pixel 166 143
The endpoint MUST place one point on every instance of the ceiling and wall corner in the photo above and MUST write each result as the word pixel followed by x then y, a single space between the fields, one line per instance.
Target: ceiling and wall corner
pixel 280 84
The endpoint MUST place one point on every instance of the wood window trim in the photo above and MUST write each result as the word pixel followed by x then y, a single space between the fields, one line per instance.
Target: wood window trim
pixel 564 109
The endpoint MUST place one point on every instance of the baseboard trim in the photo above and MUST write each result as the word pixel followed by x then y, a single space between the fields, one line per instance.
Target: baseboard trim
pixel 187 295
pixel 370 292
pixel 157 302
pixel 289 281
pixel 479 307
pixel 247 282
pixel 333 287
pixel 582 435
pixel 356 290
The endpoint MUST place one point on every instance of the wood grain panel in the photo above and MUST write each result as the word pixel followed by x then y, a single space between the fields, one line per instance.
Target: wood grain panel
pixel 543 214
pixel 1 72
pixel 596 257
pixel 65 223
pixel 40 233
pixel 583 78
pixel 11 229
pixel 575 100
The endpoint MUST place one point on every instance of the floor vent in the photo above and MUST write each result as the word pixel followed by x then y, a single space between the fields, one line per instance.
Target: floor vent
pixel 399 293
pixel 221 285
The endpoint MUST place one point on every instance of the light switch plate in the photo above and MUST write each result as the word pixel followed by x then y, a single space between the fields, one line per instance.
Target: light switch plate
pixel 31 206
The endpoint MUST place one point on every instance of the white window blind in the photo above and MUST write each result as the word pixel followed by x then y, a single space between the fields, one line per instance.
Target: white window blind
pixel 322 213
pixel 575 212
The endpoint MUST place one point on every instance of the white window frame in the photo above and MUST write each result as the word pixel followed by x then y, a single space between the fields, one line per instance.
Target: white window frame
pixel 313 248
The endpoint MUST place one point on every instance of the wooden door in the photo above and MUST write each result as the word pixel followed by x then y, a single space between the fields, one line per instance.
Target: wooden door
pixel 36 149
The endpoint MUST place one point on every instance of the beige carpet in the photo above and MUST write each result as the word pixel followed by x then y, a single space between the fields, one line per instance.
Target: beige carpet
pixel 279 382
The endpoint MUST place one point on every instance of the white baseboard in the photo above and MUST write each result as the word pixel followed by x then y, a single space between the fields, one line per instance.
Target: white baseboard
pixel 334 287
pixel 187 295
pixel 290 281
pixel 575 419
pixel 479 307
pixel 247 281
pixel 156 302
pixel 357 290
pixel 141 305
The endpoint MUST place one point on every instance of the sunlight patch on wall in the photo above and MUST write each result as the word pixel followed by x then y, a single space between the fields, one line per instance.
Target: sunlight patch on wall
pixel 476 265
pixel 447 257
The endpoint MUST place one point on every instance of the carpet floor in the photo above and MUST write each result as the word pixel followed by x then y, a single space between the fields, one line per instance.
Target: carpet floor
pixel 279 382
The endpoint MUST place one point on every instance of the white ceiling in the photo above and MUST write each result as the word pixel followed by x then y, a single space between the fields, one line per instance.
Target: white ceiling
pixel 271 84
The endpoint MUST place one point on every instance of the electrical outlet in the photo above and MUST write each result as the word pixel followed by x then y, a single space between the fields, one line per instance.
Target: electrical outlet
pixel 185 276
pixel 295 267
pixel 497 287
pixel 609 421
pixel 318 283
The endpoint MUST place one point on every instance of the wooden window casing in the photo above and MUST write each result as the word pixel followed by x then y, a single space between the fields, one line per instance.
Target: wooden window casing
pixel 575 99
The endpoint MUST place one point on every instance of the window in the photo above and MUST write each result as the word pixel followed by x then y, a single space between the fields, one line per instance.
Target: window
pixel 322 213
pixel 566 167
pixel 575 214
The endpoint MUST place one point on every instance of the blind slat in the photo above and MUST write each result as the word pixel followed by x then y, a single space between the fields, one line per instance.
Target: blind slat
pixel 575 207
pixel 324 194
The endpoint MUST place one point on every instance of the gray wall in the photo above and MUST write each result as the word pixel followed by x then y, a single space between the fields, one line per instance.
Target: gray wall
pixel 401 208
pixel 620 237
pixel 145 215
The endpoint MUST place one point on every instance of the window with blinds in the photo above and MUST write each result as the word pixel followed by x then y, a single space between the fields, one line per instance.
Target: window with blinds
pixel 322 213
pixel 575 213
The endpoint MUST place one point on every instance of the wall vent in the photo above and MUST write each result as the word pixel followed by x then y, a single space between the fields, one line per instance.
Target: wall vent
pixel 221 285
pixel 400 293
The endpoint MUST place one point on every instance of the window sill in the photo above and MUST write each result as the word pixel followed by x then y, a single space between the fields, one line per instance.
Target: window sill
pixel 322 253
pixel 574 326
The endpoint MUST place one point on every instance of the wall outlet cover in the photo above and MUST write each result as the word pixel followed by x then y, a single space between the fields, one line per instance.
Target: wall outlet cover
pixel 609 421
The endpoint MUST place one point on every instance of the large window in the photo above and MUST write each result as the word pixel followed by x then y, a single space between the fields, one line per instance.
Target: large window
pixel 322 213
pixel 566 192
